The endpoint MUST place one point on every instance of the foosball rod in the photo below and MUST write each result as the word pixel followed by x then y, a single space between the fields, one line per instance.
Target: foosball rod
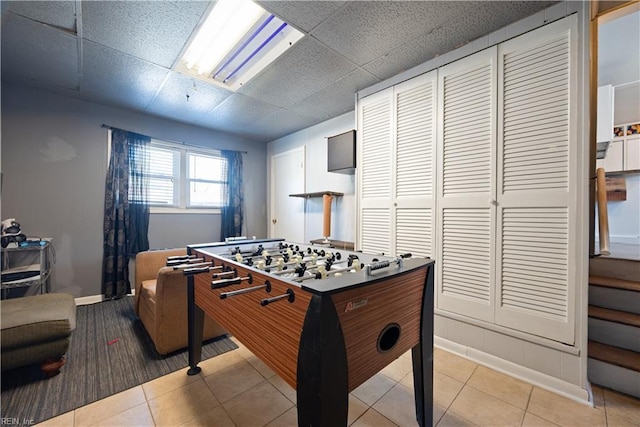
pixel 264 255
pixel 323 273
pixel 310 266
pixel 266 287
pixel 368 268
pixel 172 263
pixel 194 265
pixel 198 270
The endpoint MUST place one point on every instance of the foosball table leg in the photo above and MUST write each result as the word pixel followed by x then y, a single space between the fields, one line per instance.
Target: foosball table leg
pixel 322 377
pixel 422 358
pixel 195 317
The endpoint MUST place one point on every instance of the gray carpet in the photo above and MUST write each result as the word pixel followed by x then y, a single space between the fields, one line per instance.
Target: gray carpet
pixel 110 351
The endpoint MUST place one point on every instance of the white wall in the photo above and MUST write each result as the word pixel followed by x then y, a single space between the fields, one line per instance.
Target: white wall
pixel 54 163
pixel 317 178
pixel 619 65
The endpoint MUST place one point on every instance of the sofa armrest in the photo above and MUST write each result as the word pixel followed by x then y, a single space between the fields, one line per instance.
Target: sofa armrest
pixel 148 263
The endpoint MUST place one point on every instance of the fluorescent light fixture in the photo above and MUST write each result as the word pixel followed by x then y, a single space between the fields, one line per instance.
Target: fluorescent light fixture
pixel 236 41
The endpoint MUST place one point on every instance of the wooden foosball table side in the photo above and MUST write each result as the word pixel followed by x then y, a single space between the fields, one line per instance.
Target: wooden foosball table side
pixel 350 336
pixel 326 344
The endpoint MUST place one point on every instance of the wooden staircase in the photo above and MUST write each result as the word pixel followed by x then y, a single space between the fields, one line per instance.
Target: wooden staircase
pixel 614 324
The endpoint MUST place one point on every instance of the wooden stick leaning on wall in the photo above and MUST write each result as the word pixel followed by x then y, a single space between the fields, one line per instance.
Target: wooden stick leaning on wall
pixel 603 216
pixel 326 216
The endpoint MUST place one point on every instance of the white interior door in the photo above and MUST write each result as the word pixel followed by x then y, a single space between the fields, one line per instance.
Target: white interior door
pixel 287 218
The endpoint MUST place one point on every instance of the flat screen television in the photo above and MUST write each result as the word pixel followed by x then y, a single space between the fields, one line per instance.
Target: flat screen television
pixel 342 153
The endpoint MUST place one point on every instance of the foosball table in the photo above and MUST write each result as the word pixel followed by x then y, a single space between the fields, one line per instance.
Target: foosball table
pixel 324 320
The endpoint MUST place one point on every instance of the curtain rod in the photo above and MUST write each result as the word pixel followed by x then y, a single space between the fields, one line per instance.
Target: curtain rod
pixel 169 140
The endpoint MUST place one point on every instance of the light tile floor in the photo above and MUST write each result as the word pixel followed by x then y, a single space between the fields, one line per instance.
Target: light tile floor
pixel 237 389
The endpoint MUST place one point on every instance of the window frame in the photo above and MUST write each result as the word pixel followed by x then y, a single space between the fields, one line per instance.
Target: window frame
pixel 183 149
pixel 184 181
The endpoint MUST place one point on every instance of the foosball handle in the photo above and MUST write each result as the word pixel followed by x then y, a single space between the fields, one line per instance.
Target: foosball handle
pixel 289 295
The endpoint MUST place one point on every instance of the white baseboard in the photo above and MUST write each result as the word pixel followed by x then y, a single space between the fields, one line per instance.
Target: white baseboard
pixel 92 299
pixel 89 300
pixel 555 385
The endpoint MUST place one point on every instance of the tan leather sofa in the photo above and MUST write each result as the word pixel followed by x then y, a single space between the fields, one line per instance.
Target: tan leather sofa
pixel 161 301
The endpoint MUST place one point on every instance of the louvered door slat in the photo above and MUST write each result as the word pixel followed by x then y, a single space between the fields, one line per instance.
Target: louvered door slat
pixel 375 230
pixel 376 149
pixel 526 74
pixel 467 109
pixel 415 141
pixel 414 232
pixel 518 275
pixel 465 257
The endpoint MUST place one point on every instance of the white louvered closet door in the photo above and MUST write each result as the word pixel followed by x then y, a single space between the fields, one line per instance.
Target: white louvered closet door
pixel 375 134
pixel 415 106
pixel 537 160
pixel 466 186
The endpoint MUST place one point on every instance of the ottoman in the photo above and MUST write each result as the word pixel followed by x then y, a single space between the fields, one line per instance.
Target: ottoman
pixel 37 329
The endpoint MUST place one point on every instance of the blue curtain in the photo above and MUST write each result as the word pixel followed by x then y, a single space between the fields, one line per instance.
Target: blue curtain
pixel 125 224
pixel 233 211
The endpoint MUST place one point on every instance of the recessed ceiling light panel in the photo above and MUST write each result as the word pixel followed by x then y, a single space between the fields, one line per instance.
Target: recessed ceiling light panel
pixel 235 42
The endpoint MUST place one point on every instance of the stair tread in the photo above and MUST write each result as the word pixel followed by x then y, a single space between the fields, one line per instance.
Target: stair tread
pixel 623 317
pixel 614 355
pixel 610 282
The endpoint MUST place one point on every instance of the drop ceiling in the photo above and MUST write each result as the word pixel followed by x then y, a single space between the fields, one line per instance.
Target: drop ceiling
pixel 121 54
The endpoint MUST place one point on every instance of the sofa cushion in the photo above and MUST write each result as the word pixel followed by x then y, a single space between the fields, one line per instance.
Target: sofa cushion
pixel 36 319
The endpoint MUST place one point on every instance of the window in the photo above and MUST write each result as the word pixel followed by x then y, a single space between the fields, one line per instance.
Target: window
pixel 185 178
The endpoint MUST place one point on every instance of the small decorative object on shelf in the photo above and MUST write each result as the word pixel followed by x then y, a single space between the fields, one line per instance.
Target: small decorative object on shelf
pixel 11 232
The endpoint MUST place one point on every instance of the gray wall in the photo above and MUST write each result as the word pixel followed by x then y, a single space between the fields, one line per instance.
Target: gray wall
pixel 54 163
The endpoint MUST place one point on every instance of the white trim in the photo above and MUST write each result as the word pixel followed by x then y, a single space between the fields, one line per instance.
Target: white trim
pixel 555 345
pixel 92 299
pixel 522 373
pixel 161 210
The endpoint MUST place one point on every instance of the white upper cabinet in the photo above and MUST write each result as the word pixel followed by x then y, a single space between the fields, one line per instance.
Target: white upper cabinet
pixel 604 127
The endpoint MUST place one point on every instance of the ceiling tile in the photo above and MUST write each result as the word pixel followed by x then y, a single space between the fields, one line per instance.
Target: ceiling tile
pixel 337 98
pixel 172 99
pixel 155 31
pixel 237 112
pixel 130 46
pixel 422 49
pixel 38 54
pixel 362 32
pixel 479 21
pixel 304 69
pixel 119 79
pixel 304 15
pixel 497 14
pixel 279 124
pixel 60 14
